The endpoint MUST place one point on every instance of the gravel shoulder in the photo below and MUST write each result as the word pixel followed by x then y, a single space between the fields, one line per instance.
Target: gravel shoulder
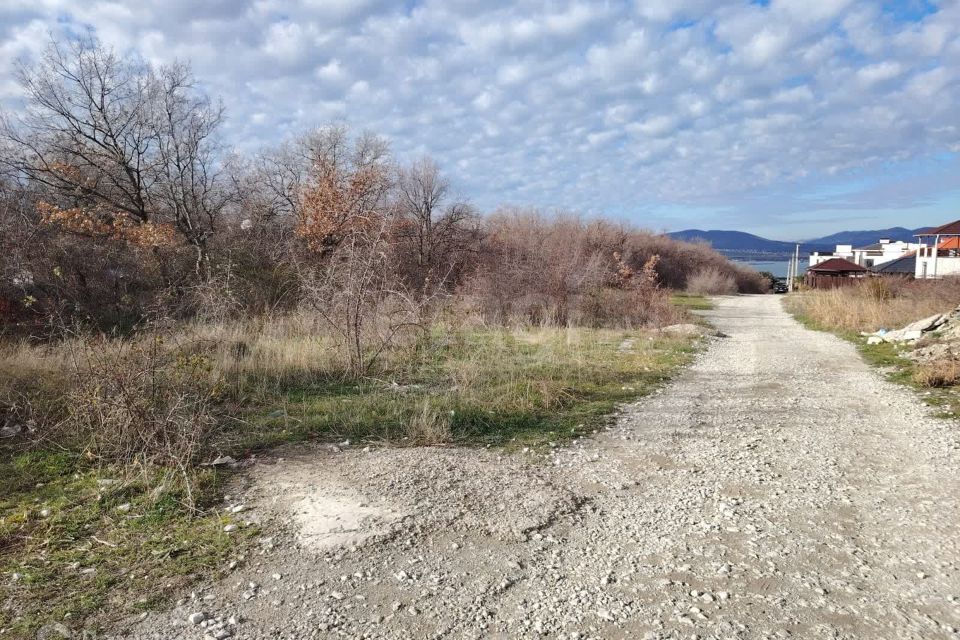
pixel 779 487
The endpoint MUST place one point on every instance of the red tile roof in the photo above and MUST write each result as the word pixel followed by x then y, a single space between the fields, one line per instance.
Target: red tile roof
pixel 836 265
pixel 949 229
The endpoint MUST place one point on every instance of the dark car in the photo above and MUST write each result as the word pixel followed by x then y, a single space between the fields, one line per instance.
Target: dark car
pixel 780 285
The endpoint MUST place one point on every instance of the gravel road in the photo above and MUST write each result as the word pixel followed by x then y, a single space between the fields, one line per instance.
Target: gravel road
pixel 778 488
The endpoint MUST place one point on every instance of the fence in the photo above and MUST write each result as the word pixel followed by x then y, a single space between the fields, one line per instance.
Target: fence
pixel 815 281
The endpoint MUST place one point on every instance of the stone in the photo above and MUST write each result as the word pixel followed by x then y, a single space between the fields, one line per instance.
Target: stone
pixel 230 528
pixel 10 431
pixel 196 618
pixel 54 630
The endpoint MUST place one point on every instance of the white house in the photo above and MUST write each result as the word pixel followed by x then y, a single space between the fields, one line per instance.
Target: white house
pixel 870 256
pixel 844 251
pixel 882 252
pixel 939 252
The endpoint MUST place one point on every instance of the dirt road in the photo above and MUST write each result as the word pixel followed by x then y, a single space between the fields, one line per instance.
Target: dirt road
pixel 778 488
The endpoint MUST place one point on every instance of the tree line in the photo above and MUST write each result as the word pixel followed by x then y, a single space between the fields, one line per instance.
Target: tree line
pixel 121 204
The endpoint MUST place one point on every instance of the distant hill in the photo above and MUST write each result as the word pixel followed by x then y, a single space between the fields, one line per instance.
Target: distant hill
pixel 863 238
pixel 747 246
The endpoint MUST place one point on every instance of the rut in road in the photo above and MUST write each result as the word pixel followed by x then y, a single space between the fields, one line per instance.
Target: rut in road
pixel 778 488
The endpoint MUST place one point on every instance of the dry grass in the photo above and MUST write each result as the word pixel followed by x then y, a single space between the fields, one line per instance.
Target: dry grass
pixel 711 282
pixel 876 304
pixel 937 374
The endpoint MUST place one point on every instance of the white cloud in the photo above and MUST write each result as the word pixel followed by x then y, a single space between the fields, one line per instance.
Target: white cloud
pixel 879 72
pixel 584 104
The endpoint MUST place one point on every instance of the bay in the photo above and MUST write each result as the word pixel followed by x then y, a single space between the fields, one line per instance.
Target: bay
pixel 776 267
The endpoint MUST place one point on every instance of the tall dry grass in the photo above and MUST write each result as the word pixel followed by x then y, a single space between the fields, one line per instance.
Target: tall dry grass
pixel 711 282
pixel 876 303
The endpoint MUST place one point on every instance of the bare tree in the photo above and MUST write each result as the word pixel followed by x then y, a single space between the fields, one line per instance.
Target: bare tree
pixel 125 150
pixel 347 188
pixel 434 230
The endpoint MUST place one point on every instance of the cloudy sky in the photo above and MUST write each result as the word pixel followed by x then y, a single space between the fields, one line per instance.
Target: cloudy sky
pixel 788 118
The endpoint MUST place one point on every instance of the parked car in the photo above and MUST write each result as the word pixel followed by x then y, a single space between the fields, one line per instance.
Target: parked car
pixel 780 286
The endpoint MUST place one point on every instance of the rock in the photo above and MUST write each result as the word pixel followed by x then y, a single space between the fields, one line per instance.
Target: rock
pixel 238 508
pixel 54 630
pixel 926 324
pixel 123 508
pixel 687 329
pixel 603 614
pixel 902 335
pixel 230 528
pixel 223 461
pixel 11 430
pixel 45 513
pixel 874 340
pixel 196 618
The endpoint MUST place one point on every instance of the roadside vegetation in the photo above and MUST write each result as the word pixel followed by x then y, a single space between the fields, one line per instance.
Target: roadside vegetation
pixel 931 365
pixel 164 303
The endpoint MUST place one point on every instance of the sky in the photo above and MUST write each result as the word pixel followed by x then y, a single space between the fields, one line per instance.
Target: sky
pixel 787 118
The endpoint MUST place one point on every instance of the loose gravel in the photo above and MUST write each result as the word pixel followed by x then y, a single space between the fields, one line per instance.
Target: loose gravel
pixel 778 488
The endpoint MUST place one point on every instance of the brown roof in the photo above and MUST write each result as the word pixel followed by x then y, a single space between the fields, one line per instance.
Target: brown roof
pixel 949 229
pixel 836 265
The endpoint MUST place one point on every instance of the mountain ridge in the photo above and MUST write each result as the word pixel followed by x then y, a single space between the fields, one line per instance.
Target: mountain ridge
pixel 743 245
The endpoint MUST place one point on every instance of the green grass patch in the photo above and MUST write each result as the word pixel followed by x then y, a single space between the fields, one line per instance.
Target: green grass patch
pixel 85 546
pixel 691 302
pixel 491 387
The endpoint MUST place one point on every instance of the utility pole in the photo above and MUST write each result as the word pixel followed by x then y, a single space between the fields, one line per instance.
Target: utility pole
pixel 796 262
pixel 790 275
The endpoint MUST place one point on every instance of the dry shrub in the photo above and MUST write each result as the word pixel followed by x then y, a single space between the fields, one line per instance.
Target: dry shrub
pixel 888 303
pixel 146 401
pixel 142 402
pixel 561 270
pixel 938 374
pixel 711 282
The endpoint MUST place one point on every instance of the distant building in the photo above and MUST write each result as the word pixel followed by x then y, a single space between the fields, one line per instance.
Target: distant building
pixel 904 267
pixel 870 256
pixel 834 272
pixel 882 252
pixel 938 254
pixel 844 252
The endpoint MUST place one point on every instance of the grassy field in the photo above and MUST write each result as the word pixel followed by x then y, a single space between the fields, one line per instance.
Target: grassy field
pixel 83 539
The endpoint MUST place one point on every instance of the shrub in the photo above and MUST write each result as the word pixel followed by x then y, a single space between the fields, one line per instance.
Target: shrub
pixel 711 282
pixel 118 401
pixel 937 374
